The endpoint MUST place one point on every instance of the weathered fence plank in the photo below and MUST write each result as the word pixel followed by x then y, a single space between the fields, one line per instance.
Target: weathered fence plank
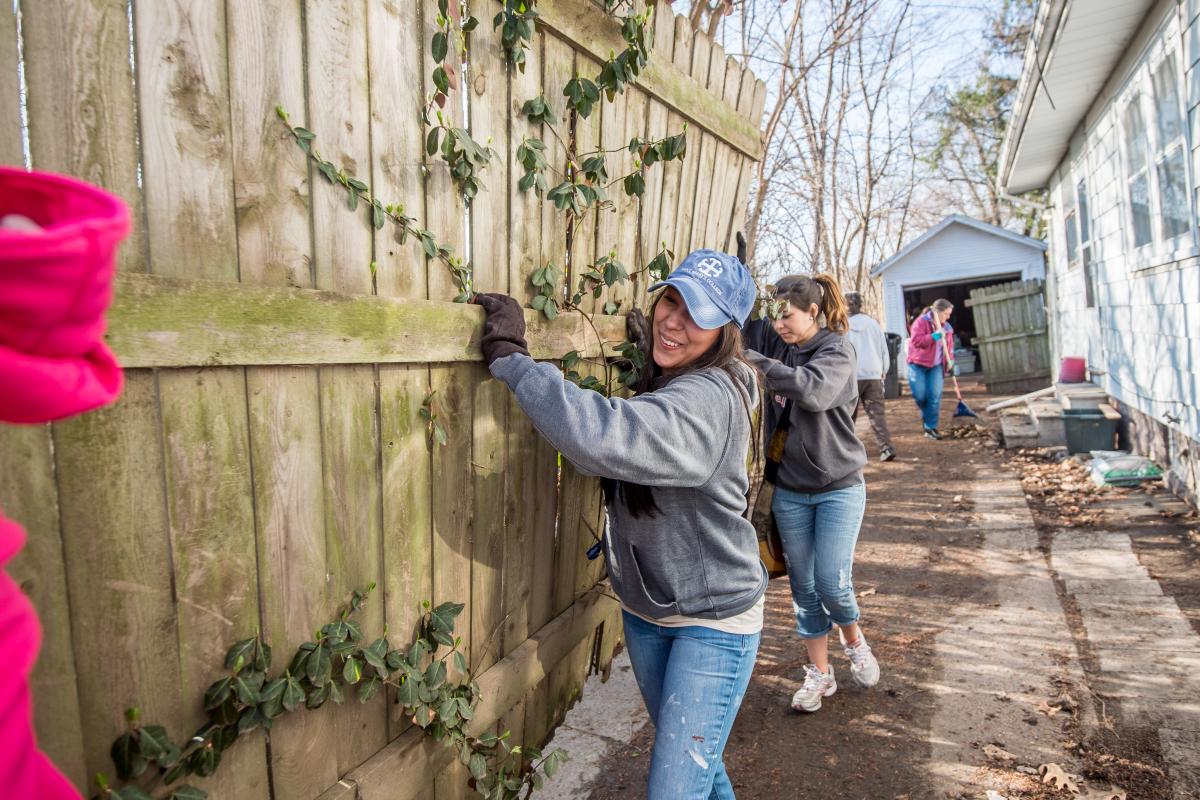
pixel 82 114
pixel 525 208
pixel 444 211
pixel 454 520
pixel 285 454
pixel 271 185
pixel 211 518
pixel 397 139
pixel 29 495
pixel 353 533
pixel 115 547
pixel 12 151
pixel 187 164
pixel 407 526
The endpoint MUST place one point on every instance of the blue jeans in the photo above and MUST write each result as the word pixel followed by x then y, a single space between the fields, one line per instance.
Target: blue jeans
pixel 925 383
pixel 693 680
pixel 819 532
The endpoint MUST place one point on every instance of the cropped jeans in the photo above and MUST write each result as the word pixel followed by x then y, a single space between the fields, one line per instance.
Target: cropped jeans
pixel 692 680
pixel 925 383
pixel 819 532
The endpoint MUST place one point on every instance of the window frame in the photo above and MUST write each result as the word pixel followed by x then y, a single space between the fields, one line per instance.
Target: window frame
pixel 1139 87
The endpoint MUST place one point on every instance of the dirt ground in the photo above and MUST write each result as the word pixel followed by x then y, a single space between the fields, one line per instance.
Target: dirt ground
pixel 917 561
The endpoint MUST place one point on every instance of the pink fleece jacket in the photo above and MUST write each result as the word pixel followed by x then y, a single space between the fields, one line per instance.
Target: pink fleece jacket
pixel 55 285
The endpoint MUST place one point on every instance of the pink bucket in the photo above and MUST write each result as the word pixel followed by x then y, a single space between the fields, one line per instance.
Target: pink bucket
pixel 55 285
pixel 1072 370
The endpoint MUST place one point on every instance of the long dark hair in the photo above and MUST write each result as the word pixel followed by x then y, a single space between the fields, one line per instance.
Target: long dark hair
pixel 726 353
pixel 802 291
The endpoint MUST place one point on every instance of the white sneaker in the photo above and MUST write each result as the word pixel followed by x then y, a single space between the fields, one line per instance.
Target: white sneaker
pixel 817 684
pixel 864 668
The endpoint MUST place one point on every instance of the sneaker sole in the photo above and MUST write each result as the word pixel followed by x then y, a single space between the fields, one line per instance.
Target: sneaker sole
pixel 797 707
pixel 862 685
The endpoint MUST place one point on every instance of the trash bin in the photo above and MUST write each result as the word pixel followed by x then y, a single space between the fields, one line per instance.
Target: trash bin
pixel 1089 429
pixel 891 381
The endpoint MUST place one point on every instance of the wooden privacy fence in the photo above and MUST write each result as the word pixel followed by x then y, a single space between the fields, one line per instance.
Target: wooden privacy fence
pixel 268 454
pixel 1014 342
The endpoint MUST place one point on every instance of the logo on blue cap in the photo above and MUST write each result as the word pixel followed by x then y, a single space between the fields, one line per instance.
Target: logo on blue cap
pixel 716 287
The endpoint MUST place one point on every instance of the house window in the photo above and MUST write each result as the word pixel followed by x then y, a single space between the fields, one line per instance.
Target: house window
pixel 1070 225
pixel 1086 246
pixel 1135 168
pixel 1154 146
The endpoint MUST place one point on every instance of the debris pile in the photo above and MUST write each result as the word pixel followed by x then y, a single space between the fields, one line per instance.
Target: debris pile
pixel 1063 490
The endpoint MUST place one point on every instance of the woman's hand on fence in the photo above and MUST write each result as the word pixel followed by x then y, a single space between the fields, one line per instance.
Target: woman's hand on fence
pixel 504 329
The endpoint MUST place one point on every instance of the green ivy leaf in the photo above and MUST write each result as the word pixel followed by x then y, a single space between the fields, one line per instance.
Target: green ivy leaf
pixel 369 689
pixel 186 792
pixel 319 666
pixel 352 671
pixel 317 696
pixel 130 792
pixel 126 757
pixel 406 693
pixel 439 47
pixel 477 766
pixel 216 694
pixel 241 654
pixel 153 742
pixel 271 698
pixel 293 694
pixel 245 691
pixel 435 675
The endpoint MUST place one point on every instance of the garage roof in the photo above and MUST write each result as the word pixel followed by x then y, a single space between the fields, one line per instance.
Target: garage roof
pixel 955 219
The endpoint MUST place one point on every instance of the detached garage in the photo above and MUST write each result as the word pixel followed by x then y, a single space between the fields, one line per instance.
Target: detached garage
pixel 949 260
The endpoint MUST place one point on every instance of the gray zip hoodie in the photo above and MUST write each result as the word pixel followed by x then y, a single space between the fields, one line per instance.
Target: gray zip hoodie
pixel 823 452
pixel 698 557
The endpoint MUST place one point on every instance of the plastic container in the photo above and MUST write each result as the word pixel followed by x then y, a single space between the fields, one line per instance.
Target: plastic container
pixel 1089 429
pixel 1072 370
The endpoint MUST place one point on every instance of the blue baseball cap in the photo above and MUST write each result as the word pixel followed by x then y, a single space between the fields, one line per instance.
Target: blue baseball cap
pixel 716 287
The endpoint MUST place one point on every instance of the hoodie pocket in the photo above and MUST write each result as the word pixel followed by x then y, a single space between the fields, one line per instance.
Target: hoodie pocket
pixel 655 594
pixel 799 453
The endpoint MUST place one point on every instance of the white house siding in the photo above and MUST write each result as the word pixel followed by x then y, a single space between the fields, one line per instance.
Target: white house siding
pixel 1145 329
pixel 957 254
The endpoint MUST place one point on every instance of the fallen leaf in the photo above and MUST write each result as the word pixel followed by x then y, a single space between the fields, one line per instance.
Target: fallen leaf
pixel 1047 709
pixel 1104 794
pixel 998 753
pixel 867 592
pixel 1059 778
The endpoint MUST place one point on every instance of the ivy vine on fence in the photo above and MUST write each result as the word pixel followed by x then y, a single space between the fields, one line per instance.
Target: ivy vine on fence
pixel 150 765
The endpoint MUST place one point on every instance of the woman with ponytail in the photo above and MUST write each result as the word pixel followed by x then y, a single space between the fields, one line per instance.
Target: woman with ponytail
pixel 926 366
pixel 820 495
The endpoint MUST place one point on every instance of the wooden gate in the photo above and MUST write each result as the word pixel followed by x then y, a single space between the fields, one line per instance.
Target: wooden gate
pixel 1014 342
pixel 269 453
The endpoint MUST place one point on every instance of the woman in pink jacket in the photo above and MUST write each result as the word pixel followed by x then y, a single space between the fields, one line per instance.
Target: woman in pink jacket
pixel 930 338
pixel 58 238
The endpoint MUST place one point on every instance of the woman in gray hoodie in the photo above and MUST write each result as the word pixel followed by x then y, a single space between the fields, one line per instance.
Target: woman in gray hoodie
pixel 682 558
pixel 820 495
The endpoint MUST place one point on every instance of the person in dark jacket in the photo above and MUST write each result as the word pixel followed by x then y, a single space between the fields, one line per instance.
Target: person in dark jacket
pixel 930 338
pixel 682 557
pixel 820 496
